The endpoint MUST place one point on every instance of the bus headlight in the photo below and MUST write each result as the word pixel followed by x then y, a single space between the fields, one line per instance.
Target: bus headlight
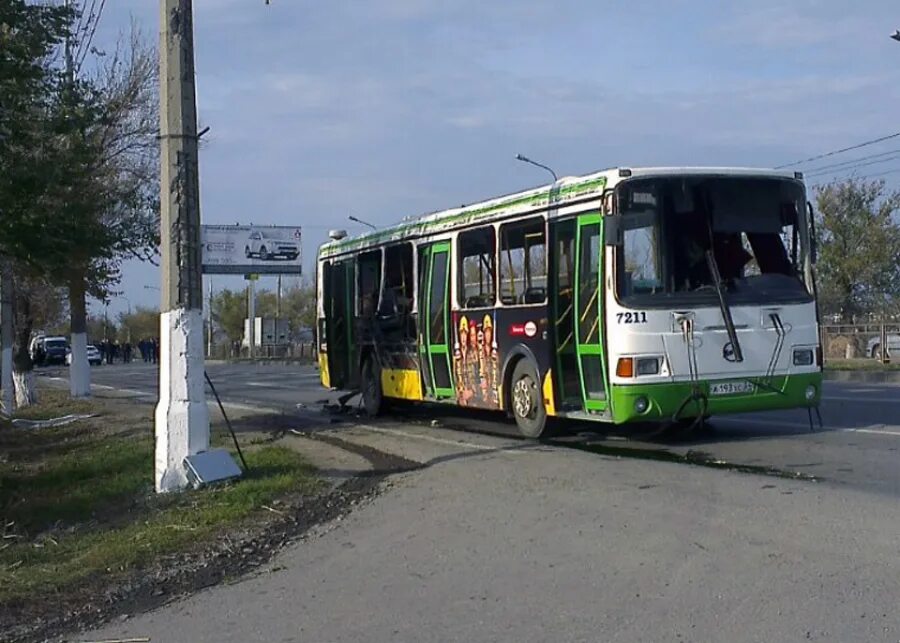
pixel 647 366
pixel 803 357
pixel 810 393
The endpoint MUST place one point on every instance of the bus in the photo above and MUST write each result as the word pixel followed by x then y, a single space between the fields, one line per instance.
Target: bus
pixel 652 295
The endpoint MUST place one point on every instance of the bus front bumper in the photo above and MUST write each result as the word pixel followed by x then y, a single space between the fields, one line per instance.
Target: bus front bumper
pixel 663 401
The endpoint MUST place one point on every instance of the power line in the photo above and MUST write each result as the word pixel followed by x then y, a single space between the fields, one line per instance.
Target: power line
pixel 868 176
pixel 841 151
pixel 895 156
pixel 859 159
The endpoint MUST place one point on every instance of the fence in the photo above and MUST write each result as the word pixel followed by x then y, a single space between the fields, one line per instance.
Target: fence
pixel 879 341
pixel 295 350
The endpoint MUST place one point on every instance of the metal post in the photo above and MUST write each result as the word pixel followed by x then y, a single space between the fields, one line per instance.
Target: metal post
pixel 182 417
pixel 251 317
pixel 885 358
pixel 278 304
pixel 6 341
pixel 209 328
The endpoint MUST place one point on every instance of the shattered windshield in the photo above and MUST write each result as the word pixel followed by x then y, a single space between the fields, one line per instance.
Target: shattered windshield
pixel 754 226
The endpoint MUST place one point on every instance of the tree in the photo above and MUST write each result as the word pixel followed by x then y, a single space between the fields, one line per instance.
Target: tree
pixel 29 36
pixel 37 305
pixel 79 163
pixel 299 305
pixel 108 185
pixel 859 247
pixel 229 309
pixel 143 323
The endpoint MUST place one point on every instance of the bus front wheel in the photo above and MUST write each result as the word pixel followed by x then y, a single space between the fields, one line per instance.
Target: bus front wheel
pixel 370 383
pixel 526 402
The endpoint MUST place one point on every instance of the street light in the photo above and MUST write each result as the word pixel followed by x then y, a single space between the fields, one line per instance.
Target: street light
pixel 150 288
pixel 353 218
pixel 525 159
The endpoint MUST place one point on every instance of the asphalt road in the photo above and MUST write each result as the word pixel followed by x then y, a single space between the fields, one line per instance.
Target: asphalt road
pixel 592 538
pixel 858 447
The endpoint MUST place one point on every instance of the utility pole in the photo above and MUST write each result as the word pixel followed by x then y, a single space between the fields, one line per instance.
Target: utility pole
pixel 182 417
pixel 6 340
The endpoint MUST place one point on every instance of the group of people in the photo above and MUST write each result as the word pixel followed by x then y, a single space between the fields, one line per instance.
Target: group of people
pixel 112 351
pixel 149 349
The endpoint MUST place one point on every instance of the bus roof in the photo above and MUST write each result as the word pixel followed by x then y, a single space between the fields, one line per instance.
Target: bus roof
pixel 565 191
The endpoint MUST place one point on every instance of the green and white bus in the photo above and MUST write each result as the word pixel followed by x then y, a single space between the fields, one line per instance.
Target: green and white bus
pixel 627 295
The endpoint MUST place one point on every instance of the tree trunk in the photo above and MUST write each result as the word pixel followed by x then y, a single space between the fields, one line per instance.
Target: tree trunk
pixel 23 367
pixel 80 369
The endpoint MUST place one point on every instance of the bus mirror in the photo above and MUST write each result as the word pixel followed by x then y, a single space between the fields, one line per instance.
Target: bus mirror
pixel 813 240
pixel 613 231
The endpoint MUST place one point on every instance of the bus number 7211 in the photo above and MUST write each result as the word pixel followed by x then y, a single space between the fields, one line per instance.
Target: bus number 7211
pixel 632 318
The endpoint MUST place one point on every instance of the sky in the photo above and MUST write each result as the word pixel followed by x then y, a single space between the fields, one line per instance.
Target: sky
pixel 388 108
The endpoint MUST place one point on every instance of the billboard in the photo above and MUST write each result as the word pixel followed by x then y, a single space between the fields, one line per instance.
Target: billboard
pixel 250 249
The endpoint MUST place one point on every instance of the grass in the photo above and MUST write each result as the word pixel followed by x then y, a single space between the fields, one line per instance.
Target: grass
pixel 80 503
pixel 860 365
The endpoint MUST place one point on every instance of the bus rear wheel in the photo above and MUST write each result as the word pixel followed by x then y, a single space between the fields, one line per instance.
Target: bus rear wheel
pixel 526 402
pixel 370 382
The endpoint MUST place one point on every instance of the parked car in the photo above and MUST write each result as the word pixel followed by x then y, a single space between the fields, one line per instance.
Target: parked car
pixel 270 245
pixel 873 348
pixel 93 355
pixel 51 350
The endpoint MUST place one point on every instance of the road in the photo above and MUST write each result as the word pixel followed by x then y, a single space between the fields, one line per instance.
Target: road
pixel 858 447
pixel 774 533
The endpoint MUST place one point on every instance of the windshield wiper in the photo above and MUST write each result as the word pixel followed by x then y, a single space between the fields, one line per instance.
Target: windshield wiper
pixel 723 306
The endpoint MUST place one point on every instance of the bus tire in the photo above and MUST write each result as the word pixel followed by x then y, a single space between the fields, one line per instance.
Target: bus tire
pixel 370 386
pixel 526 401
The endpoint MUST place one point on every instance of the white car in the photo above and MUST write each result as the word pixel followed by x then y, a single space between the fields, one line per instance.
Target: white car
pixel 93 355
pixel 269 245
pixel 873 348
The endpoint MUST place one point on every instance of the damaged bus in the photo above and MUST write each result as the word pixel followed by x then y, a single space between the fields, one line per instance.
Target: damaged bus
pixel 629 295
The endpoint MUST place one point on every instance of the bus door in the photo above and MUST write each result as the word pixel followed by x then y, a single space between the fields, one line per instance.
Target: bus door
pixel 588 302
pixel 567 379
pixel 338 295
pixel 434 320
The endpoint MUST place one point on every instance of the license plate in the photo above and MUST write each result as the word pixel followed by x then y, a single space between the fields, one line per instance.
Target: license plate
pixel 731 388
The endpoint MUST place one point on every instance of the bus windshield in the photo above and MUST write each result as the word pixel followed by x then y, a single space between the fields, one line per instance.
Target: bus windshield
pixel 755 227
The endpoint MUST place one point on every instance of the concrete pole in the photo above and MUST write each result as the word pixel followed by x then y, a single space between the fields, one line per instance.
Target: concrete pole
pixel 6 341
pixel 182 418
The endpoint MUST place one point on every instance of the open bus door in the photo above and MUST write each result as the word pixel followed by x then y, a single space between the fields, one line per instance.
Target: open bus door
pixel 588 306
pixel 338 295
pixel 434 320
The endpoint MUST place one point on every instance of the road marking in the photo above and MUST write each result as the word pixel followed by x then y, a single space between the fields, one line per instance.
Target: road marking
pixel 431 438
pixel 860 399
pixel 805 425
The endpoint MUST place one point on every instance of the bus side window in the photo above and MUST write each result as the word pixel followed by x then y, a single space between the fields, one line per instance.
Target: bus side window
pixel 397 296
pixel 477 276
pixel 369 282
pixel 523 262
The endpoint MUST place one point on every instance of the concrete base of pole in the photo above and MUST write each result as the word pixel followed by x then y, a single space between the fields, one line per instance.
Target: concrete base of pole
pixel 80 369
pixel 182 417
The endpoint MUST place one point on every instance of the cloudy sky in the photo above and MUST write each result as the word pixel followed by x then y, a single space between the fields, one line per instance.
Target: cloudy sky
pixel 386 108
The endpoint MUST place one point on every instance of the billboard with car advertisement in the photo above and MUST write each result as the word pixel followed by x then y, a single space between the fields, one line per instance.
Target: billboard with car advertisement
pixel 250 249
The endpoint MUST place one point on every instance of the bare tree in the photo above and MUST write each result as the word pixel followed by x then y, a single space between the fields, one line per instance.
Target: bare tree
pixel 109 187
